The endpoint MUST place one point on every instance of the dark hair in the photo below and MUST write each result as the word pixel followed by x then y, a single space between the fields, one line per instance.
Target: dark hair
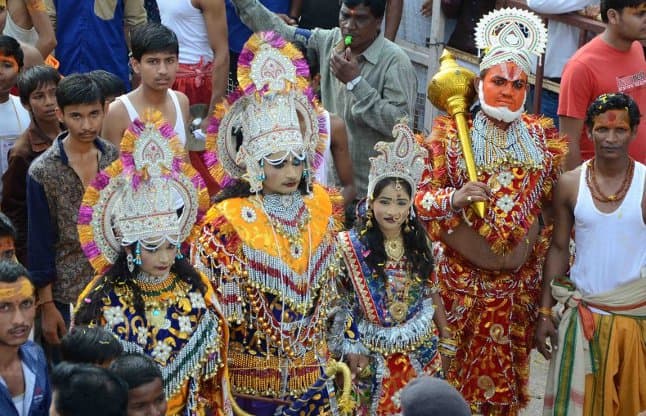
pixel 136 369
pixel 617 5
pixel 89 310
pixel 110 84
pixel 91 345
pixel 377 7
pixel 613 101
pixel 84 389
pixel 35 77
pixel 11 271
pixel 432 396
pixel 78 89
pixel 151 38
pixel 11 47
pixel 6 227
pixel 416 244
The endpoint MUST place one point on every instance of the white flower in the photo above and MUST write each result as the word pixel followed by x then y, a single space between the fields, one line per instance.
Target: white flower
pixel 505 203
pixel 142 336
pixel 161 352
pixel 165 324
pixel 505 178
pixel 197 300
pixel 185 324
pixel 113 315
pixel 427 201
pixel 248 214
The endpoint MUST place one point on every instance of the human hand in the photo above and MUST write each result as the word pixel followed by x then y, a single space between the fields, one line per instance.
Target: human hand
pixel 52 323
pixel 427 8
pixel 358 363
pixel 344 66
pixel 545 329
pixel 471 192
pixel 287 19
pixel 446 363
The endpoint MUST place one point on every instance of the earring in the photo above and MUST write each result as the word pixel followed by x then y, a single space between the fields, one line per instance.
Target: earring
pixel 179 254
pixel 407 227
pixel 369 219
pixel 137 260
pixel 130 262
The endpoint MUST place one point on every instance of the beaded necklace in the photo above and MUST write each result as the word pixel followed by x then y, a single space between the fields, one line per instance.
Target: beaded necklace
pixel 595 189
pixel 493 146
pixel 158 297
pixel 288 216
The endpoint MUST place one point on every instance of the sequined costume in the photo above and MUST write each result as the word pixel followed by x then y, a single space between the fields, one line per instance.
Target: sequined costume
pixel 271 255
pixel 491 314
pixel 391 321
pixel 173 318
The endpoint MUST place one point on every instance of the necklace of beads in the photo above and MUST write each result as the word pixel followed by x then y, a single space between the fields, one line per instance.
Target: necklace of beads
pixel 493 146
pixel 288 216
pixel 595 189
pixel 159 297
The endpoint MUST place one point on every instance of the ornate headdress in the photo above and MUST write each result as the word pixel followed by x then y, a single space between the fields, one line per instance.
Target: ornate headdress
pixel 274 109
pixel 137 197
pixel 510 35
pixel 403 158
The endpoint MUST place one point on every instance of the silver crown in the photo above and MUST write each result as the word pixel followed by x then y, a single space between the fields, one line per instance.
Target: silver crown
pixel 403 158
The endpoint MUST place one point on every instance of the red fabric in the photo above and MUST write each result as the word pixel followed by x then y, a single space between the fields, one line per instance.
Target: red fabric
pixel 195 80
pixel 200 167
pixel 598 68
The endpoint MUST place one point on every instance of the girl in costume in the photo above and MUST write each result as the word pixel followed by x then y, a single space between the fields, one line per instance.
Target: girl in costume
pixel 146 292
pixel 390 311
pixel 268 241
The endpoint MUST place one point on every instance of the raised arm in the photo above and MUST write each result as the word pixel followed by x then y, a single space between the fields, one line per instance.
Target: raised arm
pixel 258 18
pixel 39 18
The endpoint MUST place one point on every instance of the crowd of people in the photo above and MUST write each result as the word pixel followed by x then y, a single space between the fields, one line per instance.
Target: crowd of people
pixel 221 207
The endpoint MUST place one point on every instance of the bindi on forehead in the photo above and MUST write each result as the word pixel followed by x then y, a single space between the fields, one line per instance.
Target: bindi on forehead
pixel 612 119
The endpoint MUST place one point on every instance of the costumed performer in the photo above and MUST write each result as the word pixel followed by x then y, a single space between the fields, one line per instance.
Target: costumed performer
pixel 489 268
pixel 387 322
pixel 146 291
pixel 268 242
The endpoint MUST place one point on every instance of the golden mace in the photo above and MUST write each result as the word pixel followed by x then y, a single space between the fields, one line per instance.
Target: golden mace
pixel 452 90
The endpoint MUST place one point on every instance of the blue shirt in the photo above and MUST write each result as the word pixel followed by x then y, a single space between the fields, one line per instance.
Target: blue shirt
pixel 238 32
pixel 32 357
pixel 90 35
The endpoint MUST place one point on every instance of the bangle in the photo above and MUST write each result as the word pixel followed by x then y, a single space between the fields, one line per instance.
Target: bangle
pixel 545 311
pixel 45 302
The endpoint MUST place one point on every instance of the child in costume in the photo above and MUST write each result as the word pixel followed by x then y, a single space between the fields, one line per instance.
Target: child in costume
pixel 268 242
pixel 146 292
pixel 386 327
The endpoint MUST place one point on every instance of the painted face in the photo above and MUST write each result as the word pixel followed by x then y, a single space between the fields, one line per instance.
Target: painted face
pixel 391 208
pixel 7 248
pixel 157 262
pixel 17 311
pixel 359 23
pixel 632 22
pixel 83 121
pixel 147 400
pixel 8 73
pixel 283 173
pixel 42 102
pixel 505 85
pixel 611 133
pixel 157 70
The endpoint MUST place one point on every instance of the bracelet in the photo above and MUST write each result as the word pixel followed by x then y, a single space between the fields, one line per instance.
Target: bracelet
pixel 545 311
pixel 445 351
pixel 45 302
pixel 449 341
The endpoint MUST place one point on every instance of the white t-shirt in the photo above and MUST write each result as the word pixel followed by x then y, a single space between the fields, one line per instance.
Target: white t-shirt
pixel 14 120
pixel 22 402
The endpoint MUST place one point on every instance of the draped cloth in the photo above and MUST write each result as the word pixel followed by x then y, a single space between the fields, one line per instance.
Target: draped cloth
pixel 576 357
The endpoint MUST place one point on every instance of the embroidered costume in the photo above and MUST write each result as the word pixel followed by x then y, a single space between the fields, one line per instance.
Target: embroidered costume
pixel 172 318
pixel 271 255
pixel 492 313
pixel 388 317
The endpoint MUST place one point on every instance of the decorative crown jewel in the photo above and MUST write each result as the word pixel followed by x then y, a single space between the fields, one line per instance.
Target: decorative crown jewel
pixel 274 108
pixel 137 197
pixel 510 35
pixel 403 158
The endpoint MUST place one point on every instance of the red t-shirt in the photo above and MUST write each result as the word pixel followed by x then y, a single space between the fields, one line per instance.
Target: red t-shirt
pixel 598 68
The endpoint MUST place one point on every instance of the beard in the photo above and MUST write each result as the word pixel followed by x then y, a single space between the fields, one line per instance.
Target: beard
pixel 503 114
